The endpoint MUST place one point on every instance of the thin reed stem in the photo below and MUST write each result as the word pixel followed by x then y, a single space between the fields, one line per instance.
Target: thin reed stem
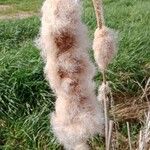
pixel 99 12
pixel 111 123
pixel 129 137
pixel 104 76
pixel 106 120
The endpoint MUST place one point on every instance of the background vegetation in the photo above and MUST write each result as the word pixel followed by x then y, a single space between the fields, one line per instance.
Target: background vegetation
pixel 25 97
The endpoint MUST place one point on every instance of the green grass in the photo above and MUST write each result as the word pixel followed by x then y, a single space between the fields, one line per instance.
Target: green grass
pixel 25 97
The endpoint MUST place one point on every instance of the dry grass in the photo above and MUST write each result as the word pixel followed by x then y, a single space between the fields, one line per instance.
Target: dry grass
pixel 133 109
pixel 129 111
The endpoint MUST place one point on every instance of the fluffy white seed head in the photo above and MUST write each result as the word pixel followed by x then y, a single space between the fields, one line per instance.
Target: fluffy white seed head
pixel 63 44
pixel 82 146
pixel 104 47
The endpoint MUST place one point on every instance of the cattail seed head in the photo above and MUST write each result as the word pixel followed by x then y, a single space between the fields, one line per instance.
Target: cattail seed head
pixel 104 47
pixel 69 71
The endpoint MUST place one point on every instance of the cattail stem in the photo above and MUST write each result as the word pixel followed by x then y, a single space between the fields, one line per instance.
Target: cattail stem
pixel 106 119
pixel 104 77
pixel 129 137
pixel 99 12
pixel 100 22
pixel 111 123
pixel 103 55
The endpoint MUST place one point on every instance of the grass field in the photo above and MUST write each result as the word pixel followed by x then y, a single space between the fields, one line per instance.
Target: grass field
pixel 25 97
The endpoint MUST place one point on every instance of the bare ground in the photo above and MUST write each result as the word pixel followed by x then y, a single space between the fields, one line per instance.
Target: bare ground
pixel 5 7
pixel 20 15
pixel 14 16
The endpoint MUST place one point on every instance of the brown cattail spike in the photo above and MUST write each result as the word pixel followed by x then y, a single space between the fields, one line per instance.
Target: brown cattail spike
pixel 98 6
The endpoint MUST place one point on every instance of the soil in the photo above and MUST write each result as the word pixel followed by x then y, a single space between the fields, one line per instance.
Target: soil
pixel 19 15
pixel 5 7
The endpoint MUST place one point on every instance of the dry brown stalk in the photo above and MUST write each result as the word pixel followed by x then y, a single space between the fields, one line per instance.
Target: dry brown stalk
pixel 144 138
pixel 106 120
pixel 129 136
pixel 104 46
pixel 99 12
pixel 111 123
pixel 145 90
